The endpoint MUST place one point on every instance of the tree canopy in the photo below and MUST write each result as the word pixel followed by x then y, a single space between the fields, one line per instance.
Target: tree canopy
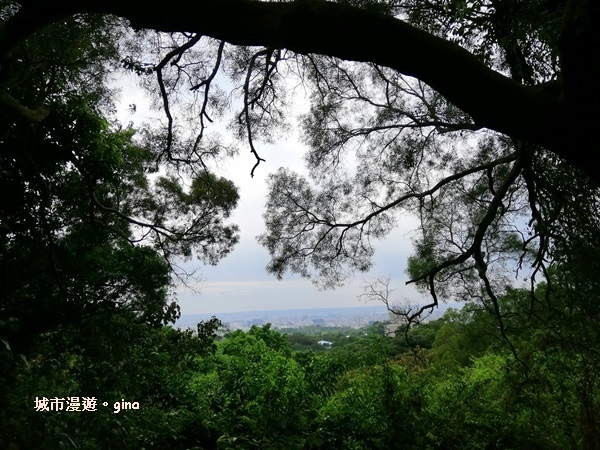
pixel 476 116
pixel 89 224
pixel 550 110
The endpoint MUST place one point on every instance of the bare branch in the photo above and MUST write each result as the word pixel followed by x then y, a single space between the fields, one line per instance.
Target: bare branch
pixel 207 83
pixel 175 53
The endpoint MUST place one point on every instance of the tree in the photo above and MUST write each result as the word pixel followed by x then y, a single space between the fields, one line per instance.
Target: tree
pixel 283 26
pixel 90 232
pixel 539 115
pixel 258 394
pixel 87 224
pixel 126 360
pixel 477 116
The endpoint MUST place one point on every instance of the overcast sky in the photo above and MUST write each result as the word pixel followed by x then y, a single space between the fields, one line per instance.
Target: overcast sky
pixel 240 282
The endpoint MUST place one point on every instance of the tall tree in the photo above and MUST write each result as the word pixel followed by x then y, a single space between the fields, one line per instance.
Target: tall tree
pixel 91 226
pixel 87 224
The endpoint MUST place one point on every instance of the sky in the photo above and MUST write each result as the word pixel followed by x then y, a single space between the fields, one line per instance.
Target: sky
pixel 240 281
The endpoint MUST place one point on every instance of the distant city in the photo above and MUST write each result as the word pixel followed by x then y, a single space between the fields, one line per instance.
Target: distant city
pixel 350 317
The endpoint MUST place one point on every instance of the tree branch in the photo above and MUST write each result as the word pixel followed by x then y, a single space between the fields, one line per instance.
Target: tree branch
pixel 493 100
pixel 31 115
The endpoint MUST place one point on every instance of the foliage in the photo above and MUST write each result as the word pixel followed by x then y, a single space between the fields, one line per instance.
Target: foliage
pixel 89 230
pixel 84 210
pixel 258 393
pixel 375 408
pixel 94 217
pixel 132 362
pixel 250 390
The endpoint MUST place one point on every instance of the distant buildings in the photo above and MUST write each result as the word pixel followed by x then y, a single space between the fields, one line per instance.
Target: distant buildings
pixel 355 317
pixel 325 343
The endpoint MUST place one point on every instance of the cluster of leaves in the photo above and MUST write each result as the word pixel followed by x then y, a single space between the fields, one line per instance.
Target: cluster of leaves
pixel 526 33
pixel 88 224
pixel 453 384
pixel 90 231
pixel 464 388
pixel 113 358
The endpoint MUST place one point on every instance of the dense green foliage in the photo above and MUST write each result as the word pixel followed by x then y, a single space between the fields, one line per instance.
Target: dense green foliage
pixel 95 216
pixel 89 232
pixel 88 223
pixel 463 390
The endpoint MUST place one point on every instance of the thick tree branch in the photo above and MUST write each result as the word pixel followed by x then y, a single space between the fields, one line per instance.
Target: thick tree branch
pixel 31 115
pixel 493 100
